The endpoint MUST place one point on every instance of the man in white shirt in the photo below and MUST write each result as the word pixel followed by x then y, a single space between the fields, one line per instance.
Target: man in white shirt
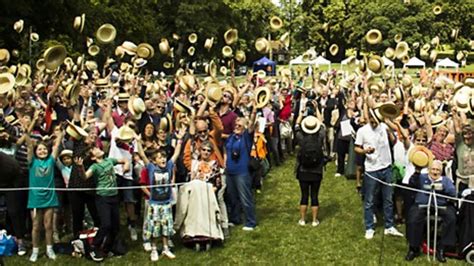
pixel 372 140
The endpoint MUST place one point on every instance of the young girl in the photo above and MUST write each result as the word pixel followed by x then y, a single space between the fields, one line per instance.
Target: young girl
pixel 159 218
pixel 61 215
pixel 42 202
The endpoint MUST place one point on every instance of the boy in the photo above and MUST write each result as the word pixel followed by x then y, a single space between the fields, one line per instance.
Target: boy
pixel 159 218
pixel 107 201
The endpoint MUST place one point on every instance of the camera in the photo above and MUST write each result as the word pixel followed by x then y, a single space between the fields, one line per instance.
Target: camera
pixel 235 155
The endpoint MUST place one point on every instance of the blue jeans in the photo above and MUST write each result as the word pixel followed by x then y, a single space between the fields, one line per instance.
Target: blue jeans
pixel 371 189
pixel 239 188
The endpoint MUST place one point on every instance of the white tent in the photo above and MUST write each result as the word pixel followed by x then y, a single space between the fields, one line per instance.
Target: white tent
pixel 415 62
pixel 322 61
pixel 446 62
pixel 299 61
pixel 387 62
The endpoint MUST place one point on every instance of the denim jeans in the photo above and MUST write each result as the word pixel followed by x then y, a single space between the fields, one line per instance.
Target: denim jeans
pixel 239 188
pixel 371 188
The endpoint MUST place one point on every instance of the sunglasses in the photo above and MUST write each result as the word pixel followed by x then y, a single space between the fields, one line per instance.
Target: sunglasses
pixel 206 150
pixel 227 96
pixel 202 131
pixel 238 125
pixel 160 107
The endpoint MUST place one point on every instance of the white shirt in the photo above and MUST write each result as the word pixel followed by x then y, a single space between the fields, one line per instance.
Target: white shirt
pixel 119 153
pixel 377 138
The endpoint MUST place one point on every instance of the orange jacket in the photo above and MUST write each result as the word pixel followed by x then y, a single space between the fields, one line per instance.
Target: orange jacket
pixel 214 137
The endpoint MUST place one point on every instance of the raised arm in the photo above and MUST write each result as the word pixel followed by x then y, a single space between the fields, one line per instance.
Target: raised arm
pixel 57 142
pixel 177 149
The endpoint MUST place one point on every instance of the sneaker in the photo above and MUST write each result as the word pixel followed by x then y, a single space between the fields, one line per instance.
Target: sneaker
pixel 301 222
pixel 50 253
pixel 315 223
pixel 231 224
pixel 56 237
pixel 154 255
pixel 369 234
pixel 21 249
pixel 34 257
pixel 147 246
pixel 337 175
pixel 248 228
pixel 96 256
pixel 170 243
pixel 133 233
pixel 392 231
pixel 168 253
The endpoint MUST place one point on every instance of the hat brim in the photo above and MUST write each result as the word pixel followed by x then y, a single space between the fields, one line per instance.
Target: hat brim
pixel 310 130
pixel 262 102
pixel 414 161
pixel 389 110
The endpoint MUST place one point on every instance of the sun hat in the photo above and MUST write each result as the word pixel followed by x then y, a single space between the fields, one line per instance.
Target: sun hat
pixel 420 156
pixel 106 33
pixel 262 96
pixel 310 124
pixel 65 152
pixel 125 134
pixel 136 106
pixel 75 131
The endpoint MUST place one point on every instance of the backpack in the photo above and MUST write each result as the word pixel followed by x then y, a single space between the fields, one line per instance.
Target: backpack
pixel 311 154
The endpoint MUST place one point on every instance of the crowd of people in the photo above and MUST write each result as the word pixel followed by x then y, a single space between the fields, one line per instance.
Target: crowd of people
pixel 186 154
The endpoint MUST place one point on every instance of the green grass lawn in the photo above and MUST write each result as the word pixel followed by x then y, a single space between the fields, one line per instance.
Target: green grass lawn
pixel 279 240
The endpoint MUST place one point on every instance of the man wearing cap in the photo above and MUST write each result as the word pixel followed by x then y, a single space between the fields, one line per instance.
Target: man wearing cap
pixel 416 218
pixel 372 140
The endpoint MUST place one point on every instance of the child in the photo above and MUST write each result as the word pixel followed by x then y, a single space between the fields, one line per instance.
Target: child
pixel 159 218
pixel 107 200
pixel 42 202
pixel 64 164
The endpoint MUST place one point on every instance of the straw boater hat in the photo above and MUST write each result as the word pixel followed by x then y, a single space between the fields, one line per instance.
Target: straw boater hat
pixel 93 50
pixel 208 43
pixel 34 37
pixel 262 96
pixel 79 22
pixel 106 33
pixel 7 82
pixel 407 82
pixel 390 53
pixel 437 120
pixel 91 65
pixel 18 26
pixel 462 99
pixel 240 56
pixel 420 156
pixel 437 9
pixel 136 106
pixel 276 23
pixel 285 39
pixel 231 36
pixel 65 152
pixel 182 106
pixel 223 70
pixel 334 49
pixel 399 94
pixel 389 110
pixel 54 56
pixel 76 132
pixel 375 64
pixel 373 36
pixel 166 123
pixel 125 134
pixel 214 92
pixel 192 38
pixel 72 92
pixel 129 48
pixel 310 124
pixel 401 50
pixel 398 37
pixel 226 51
pixel 262 45
pixel 4 56
pixel 191 50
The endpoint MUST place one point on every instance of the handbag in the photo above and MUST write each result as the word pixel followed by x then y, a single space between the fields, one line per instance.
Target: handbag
pixel 7 244
pixel 285 130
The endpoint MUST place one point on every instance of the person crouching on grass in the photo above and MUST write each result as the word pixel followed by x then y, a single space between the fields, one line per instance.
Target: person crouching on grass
pixel 159 217
pixel 107 200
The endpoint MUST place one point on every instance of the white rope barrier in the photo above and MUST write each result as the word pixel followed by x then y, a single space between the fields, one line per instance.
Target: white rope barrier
pixel 90 189
pixel 460 200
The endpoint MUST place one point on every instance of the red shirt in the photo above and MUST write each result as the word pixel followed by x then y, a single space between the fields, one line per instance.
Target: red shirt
pixel 285 112
pixel 144 180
